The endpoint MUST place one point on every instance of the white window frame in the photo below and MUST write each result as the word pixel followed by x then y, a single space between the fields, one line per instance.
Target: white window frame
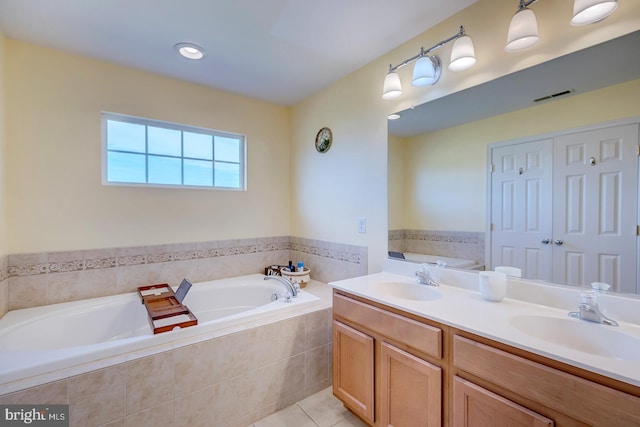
pixel 174 126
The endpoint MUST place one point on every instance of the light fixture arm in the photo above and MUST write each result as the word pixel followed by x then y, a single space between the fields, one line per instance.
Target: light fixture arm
pixel 424 52
pixel 525 4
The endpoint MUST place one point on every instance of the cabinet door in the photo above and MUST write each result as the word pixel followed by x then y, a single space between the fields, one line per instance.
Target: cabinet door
pixel 474 406
pixel 353 372
pixel 410 390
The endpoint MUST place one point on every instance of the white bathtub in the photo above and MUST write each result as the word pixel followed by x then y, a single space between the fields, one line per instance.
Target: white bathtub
pixel 434 259
pixel 40 340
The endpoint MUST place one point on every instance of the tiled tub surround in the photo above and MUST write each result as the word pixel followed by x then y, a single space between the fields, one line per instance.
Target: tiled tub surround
pixel 233 378
pixel 454 244
pixel 54 277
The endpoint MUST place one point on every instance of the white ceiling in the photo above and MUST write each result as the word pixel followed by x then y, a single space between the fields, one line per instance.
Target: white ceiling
pixel 275 50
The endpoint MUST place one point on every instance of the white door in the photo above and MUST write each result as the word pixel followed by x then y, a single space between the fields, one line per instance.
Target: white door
pixel 521 208
pixel 595 207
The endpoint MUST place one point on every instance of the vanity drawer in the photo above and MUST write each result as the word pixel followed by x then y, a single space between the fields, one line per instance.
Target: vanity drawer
pixel 421 337
pixel 576 397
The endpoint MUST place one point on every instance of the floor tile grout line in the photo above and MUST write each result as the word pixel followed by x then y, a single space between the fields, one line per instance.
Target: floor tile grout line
pixel 307 414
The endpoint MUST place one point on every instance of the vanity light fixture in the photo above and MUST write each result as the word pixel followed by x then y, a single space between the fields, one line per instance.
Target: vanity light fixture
pixel 523 29
pixel 428 68
pixel 190 51
pixel 591 11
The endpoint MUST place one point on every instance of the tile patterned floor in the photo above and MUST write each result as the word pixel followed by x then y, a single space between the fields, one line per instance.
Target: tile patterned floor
pixel 319 410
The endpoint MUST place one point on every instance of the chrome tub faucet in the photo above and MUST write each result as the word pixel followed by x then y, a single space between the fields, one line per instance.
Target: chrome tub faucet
pixel 292 289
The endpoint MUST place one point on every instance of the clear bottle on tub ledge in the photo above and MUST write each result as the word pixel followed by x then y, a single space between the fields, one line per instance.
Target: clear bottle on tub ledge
pixel 300 267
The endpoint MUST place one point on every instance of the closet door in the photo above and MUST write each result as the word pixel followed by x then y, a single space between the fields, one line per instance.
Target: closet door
pixel 521 208
pixel 596 207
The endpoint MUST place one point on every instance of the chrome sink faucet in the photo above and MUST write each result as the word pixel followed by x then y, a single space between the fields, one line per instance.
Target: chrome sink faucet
pixel 424 278
pixel 589 310
pixel 292 289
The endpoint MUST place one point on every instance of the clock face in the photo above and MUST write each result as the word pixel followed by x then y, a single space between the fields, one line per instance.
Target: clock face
pixel 323 140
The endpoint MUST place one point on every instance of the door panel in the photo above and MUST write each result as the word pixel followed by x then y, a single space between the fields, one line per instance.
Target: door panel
pixel 521 208
pixel 595 207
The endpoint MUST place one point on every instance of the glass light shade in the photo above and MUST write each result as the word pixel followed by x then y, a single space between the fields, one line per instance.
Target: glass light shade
pixel 523 31
pixel 590 11
pixel 424 72
pixel 463 55
pixel 392 87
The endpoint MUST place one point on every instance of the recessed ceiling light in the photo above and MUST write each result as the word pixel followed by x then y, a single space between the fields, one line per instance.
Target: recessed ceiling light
pixel 190 50
pixel 394 116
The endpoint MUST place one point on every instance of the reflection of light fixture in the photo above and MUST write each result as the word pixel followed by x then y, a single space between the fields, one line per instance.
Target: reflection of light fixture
pixel 428 67
pixel 523 30
pixel 190 50
pixel 394 116
pixel 590 11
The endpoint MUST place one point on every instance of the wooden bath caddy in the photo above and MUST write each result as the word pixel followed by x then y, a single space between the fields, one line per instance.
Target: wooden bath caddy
pixel 164 309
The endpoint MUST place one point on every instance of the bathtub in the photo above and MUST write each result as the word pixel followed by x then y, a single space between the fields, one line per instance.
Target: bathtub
pixel 39 344
pixel 434 259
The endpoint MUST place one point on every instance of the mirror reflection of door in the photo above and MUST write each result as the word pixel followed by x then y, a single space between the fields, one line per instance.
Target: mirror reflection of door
pixel 572 219
pixel 521 208
pixel 595 207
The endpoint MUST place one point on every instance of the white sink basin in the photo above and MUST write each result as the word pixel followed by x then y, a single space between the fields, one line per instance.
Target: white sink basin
pixel 580 335
pixel 409 291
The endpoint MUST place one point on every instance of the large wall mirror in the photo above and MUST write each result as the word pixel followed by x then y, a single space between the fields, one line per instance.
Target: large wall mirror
pixel 438 150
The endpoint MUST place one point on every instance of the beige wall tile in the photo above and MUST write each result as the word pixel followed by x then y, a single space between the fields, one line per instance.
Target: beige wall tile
pixel 209 362
pixel 318 328
pixel 276 382
pixel 97 397
pixel 276 341
pixel 157 416
pixel 68 286
pixel 27 291
pixel 149 381
pixel 196 409
pixel 317 365
pixel 54 393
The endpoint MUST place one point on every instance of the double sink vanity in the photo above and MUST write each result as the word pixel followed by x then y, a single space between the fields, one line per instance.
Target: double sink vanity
pixel 406 354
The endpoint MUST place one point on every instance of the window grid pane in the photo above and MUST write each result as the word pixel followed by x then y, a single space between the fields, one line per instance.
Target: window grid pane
pixel 140 151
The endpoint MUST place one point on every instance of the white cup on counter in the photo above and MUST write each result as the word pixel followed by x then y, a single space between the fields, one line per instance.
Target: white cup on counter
pixel 493 285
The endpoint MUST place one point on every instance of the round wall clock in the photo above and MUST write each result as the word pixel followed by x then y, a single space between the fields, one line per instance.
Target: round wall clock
pixel 324 137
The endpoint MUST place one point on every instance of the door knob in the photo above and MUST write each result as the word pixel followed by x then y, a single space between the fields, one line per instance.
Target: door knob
pixel 558 242
pixel 546 241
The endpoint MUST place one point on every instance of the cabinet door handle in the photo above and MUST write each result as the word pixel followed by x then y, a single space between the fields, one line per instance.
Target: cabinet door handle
pixel 546 241
pixel 558 242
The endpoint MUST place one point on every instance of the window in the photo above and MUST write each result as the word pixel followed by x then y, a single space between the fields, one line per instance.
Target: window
pixel 146 152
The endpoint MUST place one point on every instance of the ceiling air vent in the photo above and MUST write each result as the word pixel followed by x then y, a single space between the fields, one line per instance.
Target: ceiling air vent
pixel 555 95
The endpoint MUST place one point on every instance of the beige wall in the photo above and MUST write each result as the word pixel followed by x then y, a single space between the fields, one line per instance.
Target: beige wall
pixel 332 190
pixel 452 163
pixel 4 246
pixel 55 197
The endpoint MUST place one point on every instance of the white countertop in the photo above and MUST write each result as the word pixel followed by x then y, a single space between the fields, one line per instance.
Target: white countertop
pixel 462 307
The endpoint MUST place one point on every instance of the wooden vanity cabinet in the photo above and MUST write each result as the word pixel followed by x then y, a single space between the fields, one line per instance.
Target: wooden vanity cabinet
pixel 564 396
pixel 353 374
pixel 396 369
pixel 380 370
